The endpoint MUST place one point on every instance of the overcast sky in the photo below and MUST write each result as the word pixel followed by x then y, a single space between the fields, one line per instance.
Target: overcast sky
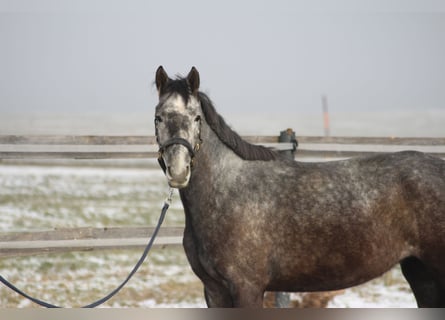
pixel 254 56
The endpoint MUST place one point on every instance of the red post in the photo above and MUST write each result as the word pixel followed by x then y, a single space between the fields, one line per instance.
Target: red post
pixel 326 126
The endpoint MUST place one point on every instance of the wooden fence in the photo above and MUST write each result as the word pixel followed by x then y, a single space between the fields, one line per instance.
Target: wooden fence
pixel 44 147
pixel 141 147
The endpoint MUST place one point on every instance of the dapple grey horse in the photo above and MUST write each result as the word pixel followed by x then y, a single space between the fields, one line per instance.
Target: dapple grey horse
pixel 257 222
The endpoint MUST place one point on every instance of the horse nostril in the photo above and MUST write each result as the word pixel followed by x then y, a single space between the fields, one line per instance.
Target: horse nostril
pixel 169 173
pixel 186 172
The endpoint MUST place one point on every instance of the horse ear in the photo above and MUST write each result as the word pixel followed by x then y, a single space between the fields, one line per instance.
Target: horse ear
pixel 161 80
pixel 193 81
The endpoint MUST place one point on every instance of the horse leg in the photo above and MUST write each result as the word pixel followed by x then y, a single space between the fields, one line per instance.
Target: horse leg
pixel 247 297
pixel 428 291
pixel 217 296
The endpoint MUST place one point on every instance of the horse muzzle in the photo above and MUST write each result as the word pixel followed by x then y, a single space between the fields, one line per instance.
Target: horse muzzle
pixel 178 177
pixel 175 158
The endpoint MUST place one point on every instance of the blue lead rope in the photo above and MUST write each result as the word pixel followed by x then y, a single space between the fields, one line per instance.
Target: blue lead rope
pixel 115 291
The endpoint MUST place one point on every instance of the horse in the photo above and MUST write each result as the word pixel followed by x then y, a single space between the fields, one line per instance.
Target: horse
pixel 256 222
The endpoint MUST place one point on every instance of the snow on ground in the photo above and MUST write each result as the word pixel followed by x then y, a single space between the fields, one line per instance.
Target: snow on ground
pixel 389 291
pixel 41 197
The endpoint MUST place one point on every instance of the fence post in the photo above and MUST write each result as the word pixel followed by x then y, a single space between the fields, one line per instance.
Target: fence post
pixel 326 126
pixel 282 299
pixel 288 135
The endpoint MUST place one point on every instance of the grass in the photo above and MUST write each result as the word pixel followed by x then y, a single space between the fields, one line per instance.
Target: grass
pixel 38 198
pixel 78 278
pixel 35 198
pixel 47 200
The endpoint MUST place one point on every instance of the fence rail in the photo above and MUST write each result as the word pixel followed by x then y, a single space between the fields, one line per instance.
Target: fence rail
pixel 84 239
pixel 142 147
pixel 144 140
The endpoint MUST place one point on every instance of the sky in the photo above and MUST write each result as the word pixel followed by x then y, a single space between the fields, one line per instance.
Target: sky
pixel 253 56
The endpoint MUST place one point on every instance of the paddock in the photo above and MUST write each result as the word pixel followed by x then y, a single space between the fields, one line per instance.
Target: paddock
pixel 43 246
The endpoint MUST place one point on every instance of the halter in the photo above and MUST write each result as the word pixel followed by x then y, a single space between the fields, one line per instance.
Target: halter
pixel 192 150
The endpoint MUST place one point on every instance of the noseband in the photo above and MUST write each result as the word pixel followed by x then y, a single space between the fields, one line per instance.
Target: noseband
pixel 162 147
pixel 181 141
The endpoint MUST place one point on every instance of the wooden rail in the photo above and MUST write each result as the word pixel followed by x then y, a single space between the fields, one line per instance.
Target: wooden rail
pixel 142 147
pixel 148 140
pixel 84 239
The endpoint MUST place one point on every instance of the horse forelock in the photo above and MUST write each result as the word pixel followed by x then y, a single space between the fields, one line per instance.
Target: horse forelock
pixel 178 86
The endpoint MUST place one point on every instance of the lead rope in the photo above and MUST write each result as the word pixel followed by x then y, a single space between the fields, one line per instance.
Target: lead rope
pixel 167 203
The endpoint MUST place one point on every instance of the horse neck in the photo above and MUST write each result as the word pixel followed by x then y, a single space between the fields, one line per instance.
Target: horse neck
pixel 214 153
pixel 214 167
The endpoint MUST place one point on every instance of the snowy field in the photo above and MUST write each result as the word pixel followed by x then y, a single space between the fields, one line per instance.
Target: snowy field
pixel 36 197
pixel 396 123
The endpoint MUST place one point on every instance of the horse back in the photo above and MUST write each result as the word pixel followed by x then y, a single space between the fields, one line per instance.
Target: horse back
pixel 362 214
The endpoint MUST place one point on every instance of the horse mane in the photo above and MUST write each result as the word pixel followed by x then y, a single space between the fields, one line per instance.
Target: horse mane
pixel 230 138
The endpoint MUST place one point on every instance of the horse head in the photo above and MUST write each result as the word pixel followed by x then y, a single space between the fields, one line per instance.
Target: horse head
pixel 178 125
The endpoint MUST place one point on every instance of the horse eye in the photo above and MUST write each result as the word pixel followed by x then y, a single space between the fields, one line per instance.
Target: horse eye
pixel 158 119
pixel 198 118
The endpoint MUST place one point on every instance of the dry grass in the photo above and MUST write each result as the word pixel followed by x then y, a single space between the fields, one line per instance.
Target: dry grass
pixel 36 198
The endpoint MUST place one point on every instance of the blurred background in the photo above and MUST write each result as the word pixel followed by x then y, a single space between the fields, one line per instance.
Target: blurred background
pixel 87 67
